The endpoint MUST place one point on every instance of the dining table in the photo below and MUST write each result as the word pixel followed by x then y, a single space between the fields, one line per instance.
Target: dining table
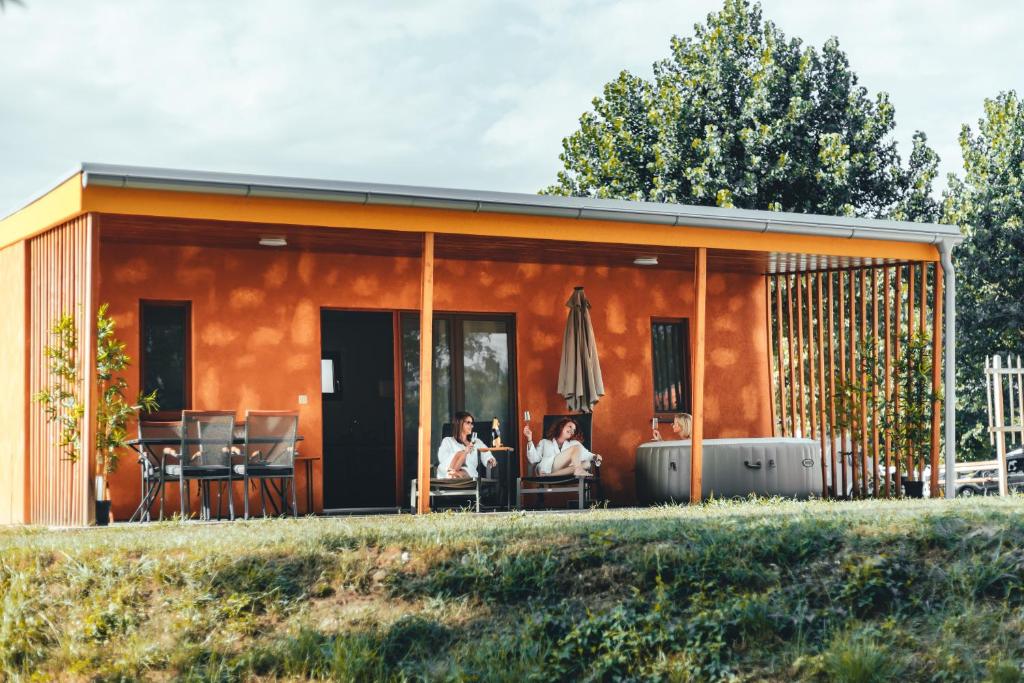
pixel 148 450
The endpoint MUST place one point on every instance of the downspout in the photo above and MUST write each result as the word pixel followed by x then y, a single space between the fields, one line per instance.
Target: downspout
pixel 949 389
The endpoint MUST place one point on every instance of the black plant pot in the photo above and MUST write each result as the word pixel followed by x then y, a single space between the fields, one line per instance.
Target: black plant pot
pixel 102 512
pixel 913 489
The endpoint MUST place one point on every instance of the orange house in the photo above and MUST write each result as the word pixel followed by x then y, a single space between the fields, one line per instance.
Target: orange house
pixel 245 292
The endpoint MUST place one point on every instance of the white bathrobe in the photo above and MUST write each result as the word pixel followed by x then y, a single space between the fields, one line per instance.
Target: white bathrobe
pixel 546 451
pixel 450 447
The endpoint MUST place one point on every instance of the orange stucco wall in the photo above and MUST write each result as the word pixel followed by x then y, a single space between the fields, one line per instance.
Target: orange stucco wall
pixel 256 337
pixel 12 379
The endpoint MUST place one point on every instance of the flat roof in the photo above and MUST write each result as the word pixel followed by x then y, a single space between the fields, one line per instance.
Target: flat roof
pixel 483 201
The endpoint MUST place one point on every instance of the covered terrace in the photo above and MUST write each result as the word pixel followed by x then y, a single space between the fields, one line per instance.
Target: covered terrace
pixel 420 271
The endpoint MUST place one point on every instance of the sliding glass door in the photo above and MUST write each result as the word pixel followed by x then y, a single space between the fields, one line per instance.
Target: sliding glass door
pixel 474 370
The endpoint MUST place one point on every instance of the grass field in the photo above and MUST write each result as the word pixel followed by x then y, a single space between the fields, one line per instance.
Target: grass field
pixel 930 590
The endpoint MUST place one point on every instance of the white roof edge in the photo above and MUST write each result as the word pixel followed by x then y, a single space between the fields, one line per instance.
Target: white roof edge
pixel 510 202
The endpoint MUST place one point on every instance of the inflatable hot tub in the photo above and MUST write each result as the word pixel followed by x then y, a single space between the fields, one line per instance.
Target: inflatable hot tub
pixel 790 468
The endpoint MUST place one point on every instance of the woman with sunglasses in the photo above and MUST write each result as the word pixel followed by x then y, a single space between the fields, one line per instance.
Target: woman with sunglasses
pixel 560 453
pixel 458 456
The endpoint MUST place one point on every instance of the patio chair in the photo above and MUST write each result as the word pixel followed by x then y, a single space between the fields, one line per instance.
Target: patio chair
pixel 269 454
pixel 454 488
pixel 152 464
pixel 204 456
pixel 538 484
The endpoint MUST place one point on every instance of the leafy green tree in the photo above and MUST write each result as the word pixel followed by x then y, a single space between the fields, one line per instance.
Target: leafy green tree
pixel 63 404
pixel 740 115
pixel 988 204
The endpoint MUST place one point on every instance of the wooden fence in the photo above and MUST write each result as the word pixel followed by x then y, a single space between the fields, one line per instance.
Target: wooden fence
pixel 842 343
pixel 62 272
pixel 1004 388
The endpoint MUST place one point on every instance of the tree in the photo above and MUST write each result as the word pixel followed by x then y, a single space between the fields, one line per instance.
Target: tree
pixel 63 404
pixel 739 115
pixel 988 205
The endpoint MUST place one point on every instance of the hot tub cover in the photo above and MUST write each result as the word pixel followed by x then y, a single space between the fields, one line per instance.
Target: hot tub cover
pixel 732 467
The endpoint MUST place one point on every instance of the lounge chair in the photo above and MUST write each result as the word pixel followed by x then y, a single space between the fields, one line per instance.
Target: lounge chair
pixel 454 488
pixel 584 487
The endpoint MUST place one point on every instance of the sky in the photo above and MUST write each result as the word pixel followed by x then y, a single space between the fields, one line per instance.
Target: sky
pixel 451 93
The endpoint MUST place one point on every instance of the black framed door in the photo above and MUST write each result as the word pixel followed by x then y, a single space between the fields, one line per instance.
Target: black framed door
pixel 358 372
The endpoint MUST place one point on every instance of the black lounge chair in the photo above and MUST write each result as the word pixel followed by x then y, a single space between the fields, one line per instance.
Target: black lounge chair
pixel 474 489
pixel 584 487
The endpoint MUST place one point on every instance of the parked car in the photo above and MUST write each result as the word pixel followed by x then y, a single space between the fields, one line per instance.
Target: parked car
pixel 988 479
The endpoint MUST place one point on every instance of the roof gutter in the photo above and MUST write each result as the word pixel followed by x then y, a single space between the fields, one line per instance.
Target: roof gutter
pixel 505 203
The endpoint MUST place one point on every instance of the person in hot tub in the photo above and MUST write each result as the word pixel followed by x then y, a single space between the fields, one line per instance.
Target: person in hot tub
pixel 682 427
pixel 560 453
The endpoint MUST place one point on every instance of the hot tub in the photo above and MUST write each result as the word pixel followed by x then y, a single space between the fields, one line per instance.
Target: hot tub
pixel 790 468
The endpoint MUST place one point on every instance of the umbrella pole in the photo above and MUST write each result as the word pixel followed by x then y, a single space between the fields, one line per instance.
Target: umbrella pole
pixel 697 435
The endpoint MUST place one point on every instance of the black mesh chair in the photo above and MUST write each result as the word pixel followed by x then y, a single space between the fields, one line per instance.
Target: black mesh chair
pixel 474 489
pixel 204 457
pixel 152 463
pixel 584 487
pixel 269 455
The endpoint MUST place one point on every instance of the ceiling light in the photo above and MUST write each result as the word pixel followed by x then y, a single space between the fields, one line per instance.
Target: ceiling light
pixel 645 261
pixel 273 242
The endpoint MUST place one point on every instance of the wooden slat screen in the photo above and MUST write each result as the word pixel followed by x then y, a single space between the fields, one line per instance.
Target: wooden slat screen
pixel 60 282
pixel 857 324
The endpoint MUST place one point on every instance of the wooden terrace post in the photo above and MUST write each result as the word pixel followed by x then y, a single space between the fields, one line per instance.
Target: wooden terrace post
pixel 887 384
pixel 792 368
pixel 771 353
pixel 90 393
pixel 784 422
pixel 874 390
pixel 842 373
pixel 823 429
pixel 697 437
pixel 897 327
pixel 426 367
pixel 862 378
pixel 832 389
pixel 799 279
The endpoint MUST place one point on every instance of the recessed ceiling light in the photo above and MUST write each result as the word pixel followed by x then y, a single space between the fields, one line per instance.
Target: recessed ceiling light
pixel 645 261
pixel 273 242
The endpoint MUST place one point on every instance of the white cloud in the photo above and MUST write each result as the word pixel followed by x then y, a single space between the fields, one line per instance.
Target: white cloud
pixel 452 92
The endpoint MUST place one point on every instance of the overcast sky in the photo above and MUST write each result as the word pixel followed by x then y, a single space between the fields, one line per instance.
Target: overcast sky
pixel 459 93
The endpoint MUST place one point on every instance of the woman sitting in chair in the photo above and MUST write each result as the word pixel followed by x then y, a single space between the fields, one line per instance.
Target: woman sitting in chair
pixel 458 456
pixel 682 427
pixel 560 454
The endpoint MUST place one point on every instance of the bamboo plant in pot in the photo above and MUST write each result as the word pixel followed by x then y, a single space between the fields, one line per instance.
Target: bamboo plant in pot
pixel 911 428
pixel 905 421
pixel 64 405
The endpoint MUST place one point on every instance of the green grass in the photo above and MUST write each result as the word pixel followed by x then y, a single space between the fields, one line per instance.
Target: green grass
pixel 768 590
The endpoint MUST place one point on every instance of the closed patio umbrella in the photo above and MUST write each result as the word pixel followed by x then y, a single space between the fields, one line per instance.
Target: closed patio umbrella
pixel 579 377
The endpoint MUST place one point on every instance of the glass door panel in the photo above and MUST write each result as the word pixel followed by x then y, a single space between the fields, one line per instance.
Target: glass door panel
pixel 441 395
pixel 485 373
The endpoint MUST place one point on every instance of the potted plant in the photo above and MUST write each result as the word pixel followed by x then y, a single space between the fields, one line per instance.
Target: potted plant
pixel 911 429
pixel 63 405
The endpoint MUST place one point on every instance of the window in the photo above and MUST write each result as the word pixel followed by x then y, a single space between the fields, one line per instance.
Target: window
pixel 670 360
pixel 164 358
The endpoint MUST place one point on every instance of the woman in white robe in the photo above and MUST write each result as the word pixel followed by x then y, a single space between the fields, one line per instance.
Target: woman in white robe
pixel 458 456
pixel 560 453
